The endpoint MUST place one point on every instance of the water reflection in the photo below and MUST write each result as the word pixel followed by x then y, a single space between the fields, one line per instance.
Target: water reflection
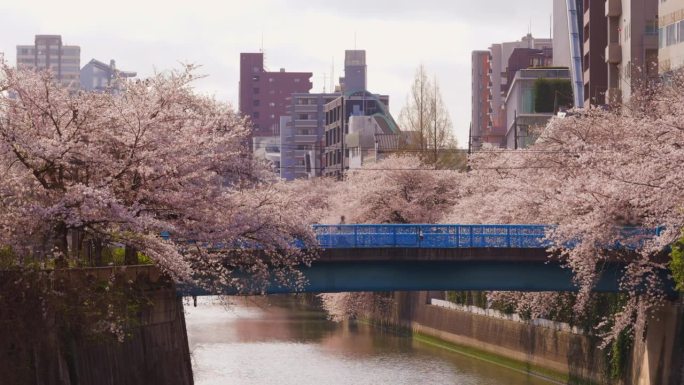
pixel 281 340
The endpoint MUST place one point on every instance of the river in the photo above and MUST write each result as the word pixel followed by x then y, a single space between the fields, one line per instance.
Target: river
pixel 281 340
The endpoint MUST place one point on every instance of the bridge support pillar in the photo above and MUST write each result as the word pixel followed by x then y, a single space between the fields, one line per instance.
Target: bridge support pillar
pixel 659 359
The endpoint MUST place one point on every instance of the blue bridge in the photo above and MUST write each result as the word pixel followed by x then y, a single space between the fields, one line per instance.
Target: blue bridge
pixel 398 257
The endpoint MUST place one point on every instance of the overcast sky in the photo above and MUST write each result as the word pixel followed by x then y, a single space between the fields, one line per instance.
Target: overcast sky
pixel 299 35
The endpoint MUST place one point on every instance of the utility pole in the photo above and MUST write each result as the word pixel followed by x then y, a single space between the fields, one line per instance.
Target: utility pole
pixel 470 138
pixel 515 129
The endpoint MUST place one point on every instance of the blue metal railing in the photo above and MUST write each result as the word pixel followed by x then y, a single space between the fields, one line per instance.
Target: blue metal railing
pixel 431 236
pixel 450 236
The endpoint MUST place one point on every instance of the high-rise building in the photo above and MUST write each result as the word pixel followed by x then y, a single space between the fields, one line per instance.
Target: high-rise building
pixel 102 77
pixel 595 39
pixel 48 53
pixel 354 71
pixel 632 49
pixel 481 124
pixel 264 95
pixel 671 32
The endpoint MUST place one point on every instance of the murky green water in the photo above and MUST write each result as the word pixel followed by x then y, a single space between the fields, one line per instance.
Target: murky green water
pixel 278 340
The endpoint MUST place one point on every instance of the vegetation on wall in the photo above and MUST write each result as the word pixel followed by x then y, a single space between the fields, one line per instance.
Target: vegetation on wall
pixel 677 263
pixel 551 94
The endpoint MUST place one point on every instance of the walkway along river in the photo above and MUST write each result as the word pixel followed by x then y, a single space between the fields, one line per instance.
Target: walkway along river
pixel 281 340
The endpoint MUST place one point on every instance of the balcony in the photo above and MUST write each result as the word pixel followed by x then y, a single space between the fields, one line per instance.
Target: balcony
pixel 613 8
pixel 305 123
pixel 613 53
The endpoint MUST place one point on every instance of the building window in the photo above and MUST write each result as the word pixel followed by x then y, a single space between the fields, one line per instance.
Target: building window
pixel 270 80
pixel 255 91
pixel 255 114
pixel 681 31
pixel 671 35
pixel 256 102
pixel 296 80
pixel 255 78
pixel 271 104
pixel 303 116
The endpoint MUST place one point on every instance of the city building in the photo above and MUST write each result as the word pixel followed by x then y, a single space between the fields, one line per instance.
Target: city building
pixel 632 49
pixel 481 94
pixel 302 135
pixel 354 71
pixel 49 53
pixel 522 58
pixel 498 80
pixel 265 96
pixel 491 78
pixel 102 77
pixel 370 139
pixel 671 32
pixel 561 34
pixel 337 115
pixel 521 114
pixel 595 40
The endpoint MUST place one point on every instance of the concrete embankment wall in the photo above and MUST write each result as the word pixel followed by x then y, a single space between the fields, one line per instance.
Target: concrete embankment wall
pixel 569 355
pixel 657 359
pixel 155 352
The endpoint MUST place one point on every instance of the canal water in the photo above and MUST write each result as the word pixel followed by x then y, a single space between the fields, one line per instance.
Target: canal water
pixel 282 340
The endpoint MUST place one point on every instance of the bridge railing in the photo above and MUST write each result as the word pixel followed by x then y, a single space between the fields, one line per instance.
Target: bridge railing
pixel 431 236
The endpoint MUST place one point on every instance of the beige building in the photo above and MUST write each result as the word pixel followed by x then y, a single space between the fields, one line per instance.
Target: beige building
pixel 632 50
pixel 671 35
pixel 48 52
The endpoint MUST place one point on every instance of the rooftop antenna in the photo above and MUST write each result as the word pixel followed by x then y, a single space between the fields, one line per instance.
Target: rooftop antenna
pixel 262 42
pixel 529 29
pixel 325 79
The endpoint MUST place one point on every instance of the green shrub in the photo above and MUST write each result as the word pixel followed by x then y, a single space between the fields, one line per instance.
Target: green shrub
pixel 676 263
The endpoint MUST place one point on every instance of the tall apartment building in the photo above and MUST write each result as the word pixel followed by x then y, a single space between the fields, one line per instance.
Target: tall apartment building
pixel 302 136
pixel 481 94
pixel 102 77
pixel 49 53
pixel 265 96
pixel 632 49
pixel 671 33
pixel 595 39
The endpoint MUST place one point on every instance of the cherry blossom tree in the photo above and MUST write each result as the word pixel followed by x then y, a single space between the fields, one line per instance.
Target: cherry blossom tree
pixel 395 190
pixel 82 169
pixel 594 174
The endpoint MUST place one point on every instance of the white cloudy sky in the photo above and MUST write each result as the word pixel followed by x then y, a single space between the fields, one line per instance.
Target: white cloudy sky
pixel 299 35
